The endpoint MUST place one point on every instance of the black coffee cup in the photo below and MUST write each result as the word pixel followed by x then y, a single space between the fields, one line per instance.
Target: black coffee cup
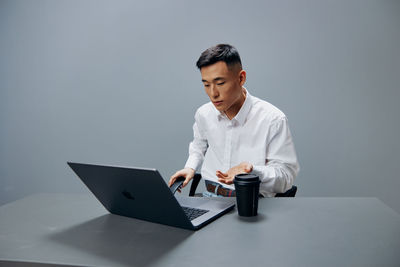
pixel 247 187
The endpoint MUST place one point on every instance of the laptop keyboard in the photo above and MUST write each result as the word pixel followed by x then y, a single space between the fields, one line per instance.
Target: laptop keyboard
pixel 193 213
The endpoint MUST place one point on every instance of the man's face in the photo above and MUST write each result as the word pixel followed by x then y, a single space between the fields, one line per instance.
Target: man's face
pixel 223 86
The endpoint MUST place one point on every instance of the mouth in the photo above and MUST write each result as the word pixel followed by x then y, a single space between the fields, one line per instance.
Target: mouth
pixel 218 103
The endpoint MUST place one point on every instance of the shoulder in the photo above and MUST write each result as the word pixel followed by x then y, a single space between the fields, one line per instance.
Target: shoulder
pixel 204 111
pixel 266 111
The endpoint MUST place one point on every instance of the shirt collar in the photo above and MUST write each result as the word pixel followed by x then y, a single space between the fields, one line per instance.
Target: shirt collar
pixel 243 112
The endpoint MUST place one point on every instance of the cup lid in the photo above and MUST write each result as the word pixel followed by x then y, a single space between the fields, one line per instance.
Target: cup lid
pixel 247 177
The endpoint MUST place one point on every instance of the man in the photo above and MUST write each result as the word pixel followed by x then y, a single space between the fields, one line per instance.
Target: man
pixel 236 132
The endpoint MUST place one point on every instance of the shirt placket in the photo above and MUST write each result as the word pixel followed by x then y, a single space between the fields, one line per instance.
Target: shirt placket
pixel 228 146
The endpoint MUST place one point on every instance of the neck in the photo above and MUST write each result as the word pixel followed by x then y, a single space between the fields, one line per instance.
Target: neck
pixel 235 108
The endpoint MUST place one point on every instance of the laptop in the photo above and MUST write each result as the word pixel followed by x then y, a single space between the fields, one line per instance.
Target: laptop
pixel 143 194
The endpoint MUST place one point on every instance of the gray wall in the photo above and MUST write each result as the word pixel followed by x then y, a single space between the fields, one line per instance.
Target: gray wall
pixel 114 82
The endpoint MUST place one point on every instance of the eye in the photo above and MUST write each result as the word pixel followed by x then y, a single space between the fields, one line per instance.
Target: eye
pixel 206 85
pixel 221 83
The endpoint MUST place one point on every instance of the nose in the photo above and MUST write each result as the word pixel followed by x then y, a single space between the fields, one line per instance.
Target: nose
pixel 213 92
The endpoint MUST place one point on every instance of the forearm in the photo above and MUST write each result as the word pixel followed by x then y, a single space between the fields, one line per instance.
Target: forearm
pixel 276 177
pixel 197 149
pixel 194 160
pixel 282 167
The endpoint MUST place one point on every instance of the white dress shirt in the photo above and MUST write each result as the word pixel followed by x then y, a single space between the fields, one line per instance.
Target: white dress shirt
pixel 258 134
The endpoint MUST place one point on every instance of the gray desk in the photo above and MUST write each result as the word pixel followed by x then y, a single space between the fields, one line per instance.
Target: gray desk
pixel 66 229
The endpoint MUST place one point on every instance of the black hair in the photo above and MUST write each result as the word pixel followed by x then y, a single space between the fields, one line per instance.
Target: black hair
pixel 220 52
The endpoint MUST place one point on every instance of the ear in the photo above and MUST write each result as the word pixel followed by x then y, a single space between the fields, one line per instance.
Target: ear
pixel 242 77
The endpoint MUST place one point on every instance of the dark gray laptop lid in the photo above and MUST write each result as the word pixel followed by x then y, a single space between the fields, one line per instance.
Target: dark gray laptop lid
pixel 133 192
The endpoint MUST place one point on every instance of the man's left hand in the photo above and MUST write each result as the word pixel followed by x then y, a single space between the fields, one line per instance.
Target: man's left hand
pixel 227 178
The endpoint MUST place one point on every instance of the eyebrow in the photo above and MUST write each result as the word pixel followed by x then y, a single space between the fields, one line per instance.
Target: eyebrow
pixel 215 79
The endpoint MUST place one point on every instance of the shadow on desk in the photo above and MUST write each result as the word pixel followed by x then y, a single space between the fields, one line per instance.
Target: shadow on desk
pixel 253 219
pixel 128 241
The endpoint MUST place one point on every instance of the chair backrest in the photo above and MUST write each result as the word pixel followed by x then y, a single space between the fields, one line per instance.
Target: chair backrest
pixel 290 193
pixel 195 181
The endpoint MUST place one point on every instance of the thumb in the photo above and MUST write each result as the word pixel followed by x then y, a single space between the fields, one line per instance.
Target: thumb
pixel 186 181
pixel 249 167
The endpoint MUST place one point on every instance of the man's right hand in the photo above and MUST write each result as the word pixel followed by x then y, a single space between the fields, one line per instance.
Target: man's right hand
pixel 187 173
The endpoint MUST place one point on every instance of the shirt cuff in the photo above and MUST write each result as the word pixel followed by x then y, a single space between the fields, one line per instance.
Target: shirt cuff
pixel 193 163
pixel 265 173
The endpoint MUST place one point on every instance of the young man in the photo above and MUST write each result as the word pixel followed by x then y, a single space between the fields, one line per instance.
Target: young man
pixel 236 132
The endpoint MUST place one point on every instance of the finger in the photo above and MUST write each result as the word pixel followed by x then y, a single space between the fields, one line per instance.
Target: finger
pixel 171 181
pixel 185 182
pixel 219 175
pixel 229 181
pixel 222 180
pixel 174 177
pixel 222 174
pixel 226 180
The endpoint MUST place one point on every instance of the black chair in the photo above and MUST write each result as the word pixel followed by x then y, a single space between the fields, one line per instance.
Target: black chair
pixel 290 193
pixel 197 177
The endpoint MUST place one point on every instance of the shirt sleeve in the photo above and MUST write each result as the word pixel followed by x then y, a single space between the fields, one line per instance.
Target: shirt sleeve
pixel 197 147
pixel 282 167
